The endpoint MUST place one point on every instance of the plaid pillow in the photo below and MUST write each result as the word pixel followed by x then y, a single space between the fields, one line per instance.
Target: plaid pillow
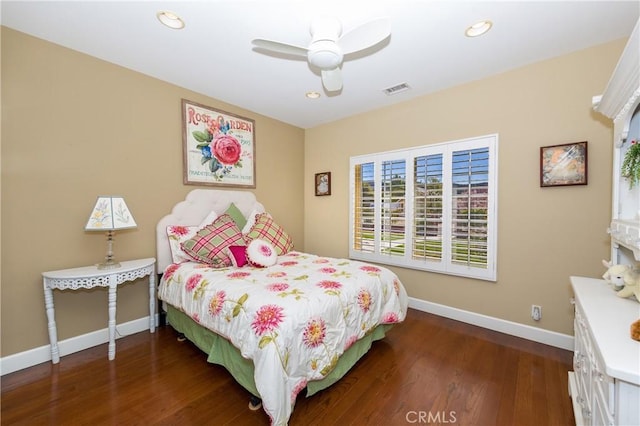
pixel 209 244
pixel 266 229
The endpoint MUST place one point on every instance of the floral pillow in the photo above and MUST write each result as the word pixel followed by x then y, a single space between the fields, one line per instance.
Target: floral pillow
pixel 266 229
pixel 177 235
pixel 180 233
pixel 209 244
pixel 261 253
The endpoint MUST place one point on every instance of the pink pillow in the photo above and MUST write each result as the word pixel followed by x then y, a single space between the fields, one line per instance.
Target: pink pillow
pixel 238 255
pixel 261 253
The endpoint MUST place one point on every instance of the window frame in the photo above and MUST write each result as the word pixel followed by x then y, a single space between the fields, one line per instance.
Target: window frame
pixel 445 264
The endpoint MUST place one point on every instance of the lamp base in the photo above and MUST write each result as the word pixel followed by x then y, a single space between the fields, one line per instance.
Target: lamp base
pixel 109 264
pixel 109 261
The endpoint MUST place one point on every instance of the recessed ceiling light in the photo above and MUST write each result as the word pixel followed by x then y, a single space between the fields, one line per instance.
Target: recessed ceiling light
pixel 478 28
pixel 312 95
pixel 170 19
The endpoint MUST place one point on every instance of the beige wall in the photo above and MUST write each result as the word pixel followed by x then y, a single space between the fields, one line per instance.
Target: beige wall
pixel 545 234
pixel 74 127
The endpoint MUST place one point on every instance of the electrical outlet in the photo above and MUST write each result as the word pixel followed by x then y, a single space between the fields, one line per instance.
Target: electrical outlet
pixel 536 312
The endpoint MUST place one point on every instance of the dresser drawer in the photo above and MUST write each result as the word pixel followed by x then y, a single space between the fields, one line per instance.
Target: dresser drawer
pixel 600 414
pixel 603 385
pixel 582 363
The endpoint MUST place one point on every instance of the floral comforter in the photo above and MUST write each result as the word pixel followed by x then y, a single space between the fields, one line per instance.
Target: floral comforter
pixel 293 319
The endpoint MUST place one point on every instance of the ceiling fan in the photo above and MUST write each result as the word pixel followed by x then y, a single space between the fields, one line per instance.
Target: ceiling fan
pixel 329 46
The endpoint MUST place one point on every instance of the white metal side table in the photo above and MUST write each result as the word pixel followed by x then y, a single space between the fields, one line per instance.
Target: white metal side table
pixel 89 277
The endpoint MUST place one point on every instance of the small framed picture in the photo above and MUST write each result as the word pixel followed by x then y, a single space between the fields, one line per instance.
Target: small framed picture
pixel 323 183
pixel 562 165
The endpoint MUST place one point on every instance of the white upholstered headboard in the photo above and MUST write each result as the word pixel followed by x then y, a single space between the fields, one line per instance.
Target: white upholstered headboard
pixel 190 212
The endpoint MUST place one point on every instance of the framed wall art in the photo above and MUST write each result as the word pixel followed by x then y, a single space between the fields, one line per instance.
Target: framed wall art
pixel 323 183
pixel 218 147
pixel 562 165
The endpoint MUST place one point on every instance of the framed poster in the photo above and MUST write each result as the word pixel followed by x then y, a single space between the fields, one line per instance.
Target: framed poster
pixel 562 165
pixel 323 183
pixel 218 147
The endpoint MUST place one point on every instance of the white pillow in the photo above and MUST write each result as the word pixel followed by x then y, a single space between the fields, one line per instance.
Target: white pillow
pixel 251 220
pixel 208 220
pixel 261 253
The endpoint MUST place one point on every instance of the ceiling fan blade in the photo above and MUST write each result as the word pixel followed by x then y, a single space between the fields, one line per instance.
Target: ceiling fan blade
pixel 332 79
pixel 365 35
pixel 276 46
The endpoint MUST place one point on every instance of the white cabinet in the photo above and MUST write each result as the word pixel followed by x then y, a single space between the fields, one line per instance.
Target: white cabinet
pixel 621 103
pixel 605 382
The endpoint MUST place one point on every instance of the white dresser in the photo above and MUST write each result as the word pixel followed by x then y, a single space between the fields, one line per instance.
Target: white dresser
pixel 605 382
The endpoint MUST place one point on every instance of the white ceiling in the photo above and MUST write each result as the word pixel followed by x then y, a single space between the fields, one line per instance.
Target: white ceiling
pixel 213 54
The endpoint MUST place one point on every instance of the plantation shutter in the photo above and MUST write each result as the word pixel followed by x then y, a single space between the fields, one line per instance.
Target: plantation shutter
pixel 392 199
pixel 364 208
pixel 469 207
pixel 427 208
pixel 432 207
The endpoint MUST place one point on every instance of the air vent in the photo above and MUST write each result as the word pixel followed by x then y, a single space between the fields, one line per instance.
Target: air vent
pixel 396 89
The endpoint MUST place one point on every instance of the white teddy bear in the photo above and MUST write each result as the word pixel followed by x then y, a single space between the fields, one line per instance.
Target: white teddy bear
pixel 624 278
pixel 615 274
pixel 631 284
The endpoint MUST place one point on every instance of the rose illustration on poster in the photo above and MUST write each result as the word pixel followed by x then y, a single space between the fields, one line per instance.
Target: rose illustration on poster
pixel 218 147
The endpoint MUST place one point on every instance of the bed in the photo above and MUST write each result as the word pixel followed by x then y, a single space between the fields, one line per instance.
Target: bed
pixel 281 323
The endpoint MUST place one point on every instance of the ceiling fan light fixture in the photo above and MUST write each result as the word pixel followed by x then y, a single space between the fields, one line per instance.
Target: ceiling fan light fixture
pixel 478 29
pixel 325 55
pixel 328 46
pixel 312 94
pixel 170 19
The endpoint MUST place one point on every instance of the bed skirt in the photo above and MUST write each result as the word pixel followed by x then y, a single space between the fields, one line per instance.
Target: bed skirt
pixel 220 351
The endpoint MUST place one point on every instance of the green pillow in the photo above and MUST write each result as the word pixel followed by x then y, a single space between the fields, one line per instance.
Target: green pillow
pixel 236 215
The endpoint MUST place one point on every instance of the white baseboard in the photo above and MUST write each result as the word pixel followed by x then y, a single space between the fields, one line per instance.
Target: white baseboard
pixel 35 356
pixel 26 359
pixel 539 335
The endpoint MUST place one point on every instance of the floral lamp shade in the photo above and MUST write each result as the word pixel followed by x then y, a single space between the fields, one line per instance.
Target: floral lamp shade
pixel 110 213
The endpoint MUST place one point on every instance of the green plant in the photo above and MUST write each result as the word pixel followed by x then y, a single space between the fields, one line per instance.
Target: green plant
pixel 631 164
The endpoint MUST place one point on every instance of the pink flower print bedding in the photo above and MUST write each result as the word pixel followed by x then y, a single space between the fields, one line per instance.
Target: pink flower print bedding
pixel 293 319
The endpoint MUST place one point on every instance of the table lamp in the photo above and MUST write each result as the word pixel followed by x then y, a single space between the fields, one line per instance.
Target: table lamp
pixel 110 213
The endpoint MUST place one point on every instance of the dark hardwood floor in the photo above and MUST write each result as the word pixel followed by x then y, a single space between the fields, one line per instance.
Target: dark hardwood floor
pixel 428 370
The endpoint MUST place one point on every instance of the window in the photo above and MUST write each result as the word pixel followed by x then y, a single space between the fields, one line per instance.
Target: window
pixel 432 207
